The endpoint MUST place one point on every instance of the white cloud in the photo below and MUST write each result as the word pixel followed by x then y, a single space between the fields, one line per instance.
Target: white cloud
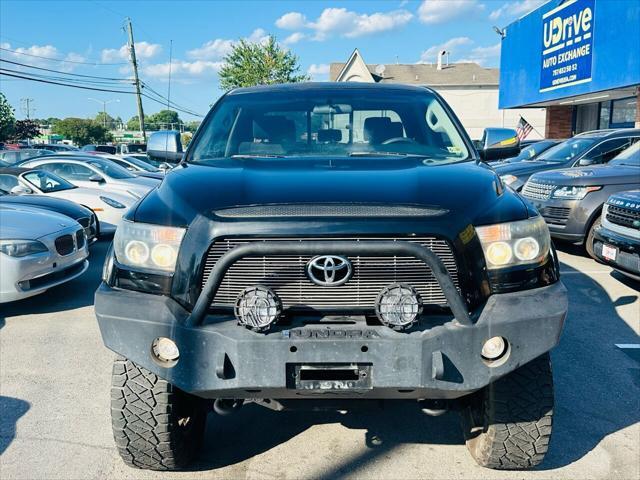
pixel 259 35
pixel 440 11
pixel 144 51
pixel 513 9
pixel 291 21
pixel 294 38
pixel 181 69
pixel 47 51
pixel 212 50
pixel 343 22
pixel 319 72
pixel 453 46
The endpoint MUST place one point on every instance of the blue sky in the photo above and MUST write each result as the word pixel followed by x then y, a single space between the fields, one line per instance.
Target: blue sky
pixel 319 32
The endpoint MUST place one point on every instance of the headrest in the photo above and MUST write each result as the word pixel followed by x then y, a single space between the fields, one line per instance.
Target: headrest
pixel 329 136
pixel 396 130
pixel 274 128
pixel 376 129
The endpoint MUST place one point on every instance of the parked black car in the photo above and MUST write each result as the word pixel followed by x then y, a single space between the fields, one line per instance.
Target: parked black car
pixel 617 241
pixel 322 245
pixel 56 147
pixel 531 150
pixel 585 149
pixel 571 200
pixel 80 214
pixel 111 149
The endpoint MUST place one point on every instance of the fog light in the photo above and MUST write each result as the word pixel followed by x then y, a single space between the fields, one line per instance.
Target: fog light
pixel 257 308
pixel 494 348
pixel 165 350
pixel 398 306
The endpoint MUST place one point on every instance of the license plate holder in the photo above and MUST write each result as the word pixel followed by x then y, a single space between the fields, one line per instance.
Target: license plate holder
pixel 609 252
pixel 330 377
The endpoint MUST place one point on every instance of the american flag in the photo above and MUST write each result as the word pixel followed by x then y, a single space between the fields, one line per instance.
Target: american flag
pixel 523 129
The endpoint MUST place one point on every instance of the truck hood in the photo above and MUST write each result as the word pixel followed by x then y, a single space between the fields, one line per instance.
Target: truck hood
pixel 598 175
pixel 526 167
pixel 467 189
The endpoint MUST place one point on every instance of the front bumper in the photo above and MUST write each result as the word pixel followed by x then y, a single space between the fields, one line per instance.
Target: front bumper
pixel 566 219
pixel 628 251
pixel 220 359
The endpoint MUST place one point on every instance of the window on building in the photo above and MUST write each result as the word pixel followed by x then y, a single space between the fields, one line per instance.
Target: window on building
pixel 605 113
pixel 623 112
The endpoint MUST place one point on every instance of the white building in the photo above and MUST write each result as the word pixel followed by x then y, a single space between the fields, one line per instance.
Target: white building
pixel 471 90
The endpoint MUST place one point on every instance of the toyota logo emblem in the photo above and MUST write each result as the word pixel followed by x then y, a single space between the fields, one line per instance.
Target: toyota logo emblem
pixel 329 270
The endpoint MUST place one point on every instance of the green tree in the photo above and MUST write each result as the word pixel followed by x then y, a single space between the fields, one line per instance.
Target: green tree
pixel 24 130
pixel 7 119
pixel 133 123
pixel 250 64
pixel 164 119
pixel 192 125
pixel 81 131
pixel 105 120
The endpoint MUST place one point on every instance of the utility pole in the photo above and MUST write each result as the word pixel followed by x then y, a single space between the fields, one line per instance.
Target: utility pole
pixel 136 79
pixel 26 107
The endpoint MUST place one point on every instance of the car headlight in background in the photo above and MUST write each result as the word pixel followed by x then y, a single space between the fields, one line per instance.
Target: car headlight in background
pixel 508 179
pixel 22 248
pixel 573 193
pixel 515 243
pixel 112 203
pixel 147 247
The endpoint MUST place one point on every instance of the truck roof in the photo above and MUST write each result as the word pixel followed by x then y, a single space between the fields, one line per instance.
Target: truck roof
pixel 305 86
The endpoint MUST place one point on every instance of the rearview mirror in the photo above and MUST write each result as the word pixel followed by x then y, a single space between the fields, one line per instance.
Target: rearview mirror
pixel 165 145
pixel 96 178
pixel 21 190
pixel 499 143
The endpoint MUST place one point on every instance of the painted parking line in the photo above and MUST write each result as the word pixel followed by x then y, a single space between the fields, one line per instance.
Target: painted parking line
pixel 583 272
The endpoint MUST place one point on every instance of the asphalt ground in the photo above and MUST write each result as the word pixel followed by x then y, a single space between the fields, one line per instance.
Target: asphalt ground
pixel 55 423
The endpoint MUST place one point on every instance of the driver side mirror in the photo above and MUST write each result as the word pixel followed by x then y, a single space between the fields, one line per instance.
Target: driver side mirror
pixel 499 143
pixel 96 178
pixel 21 190
pixel 585 162
pixel 165 145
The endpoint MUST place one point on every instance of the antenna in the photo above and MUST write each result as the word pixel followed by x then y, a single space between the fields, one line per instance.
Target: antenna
pixel 380 70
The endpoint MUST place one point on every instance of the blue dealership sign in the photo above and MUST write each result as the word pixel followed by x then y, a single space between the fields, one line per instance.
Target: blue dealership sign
pixel 567 44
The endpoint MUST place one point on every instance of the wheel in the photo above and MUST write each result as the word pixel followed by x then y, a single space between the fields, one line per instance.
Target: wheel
pixel 155 425
pixel 507 425
pixel 588 243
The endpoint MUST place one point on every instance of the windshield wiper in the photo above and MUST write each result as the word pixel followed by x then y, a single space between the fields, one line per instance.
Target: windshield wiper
pixel 386 154
pixel 263 155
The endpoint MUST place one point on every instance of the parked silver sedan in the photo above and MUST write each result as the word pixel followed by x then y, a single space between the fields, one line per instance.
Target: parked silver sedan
pixel 91 171
pixel 39 249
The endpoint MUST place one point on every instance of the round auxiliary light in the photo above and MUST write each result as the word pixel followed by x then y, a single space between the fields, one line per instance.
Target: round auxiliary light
pixel 398 306
pixel 257 308
pixel 137 252
pixel 499 253
pixel 494 348
pixel 526 248
pixel 163 255
pixel 165 350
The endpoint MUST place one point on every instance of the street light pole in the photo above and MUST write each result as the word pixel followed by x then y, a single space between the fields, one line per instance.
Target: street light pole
pixel 104 109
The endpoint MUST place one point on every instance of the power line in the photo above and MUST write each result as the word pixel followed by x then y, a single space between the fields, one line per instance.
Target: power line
pixel 3 72
pixel 61 59
pixel 176 106
pixel 65 73
pixel 64 79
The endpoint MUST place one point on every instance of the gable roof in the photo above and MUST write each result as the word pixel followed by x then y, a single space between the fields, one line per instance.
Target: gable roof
pixel 455 74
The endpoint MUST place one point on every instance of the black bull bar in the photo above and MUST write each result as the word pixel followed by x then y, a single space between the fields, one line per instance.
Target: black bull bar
pixel 373 248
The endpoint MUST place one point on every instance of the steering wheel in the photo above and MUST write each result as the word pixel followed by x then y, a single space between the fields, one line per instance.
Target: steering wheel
pixel 48 185
pixel 391 141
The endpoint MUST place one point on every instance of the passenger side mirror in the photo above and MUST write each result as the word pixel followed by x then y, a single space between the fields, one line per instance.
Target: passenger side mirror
pixel 499 143
pixel 165 145
pixel 165 167
pixel 96 178
pixel 21 190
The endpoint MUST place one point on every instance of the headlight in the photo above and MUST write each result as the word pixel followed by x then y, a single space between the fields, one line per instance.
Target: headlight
pixel 21 248
pixel 573 193
pixel 112 203
pixel 143 246
pixel 516 243
pixel 508 179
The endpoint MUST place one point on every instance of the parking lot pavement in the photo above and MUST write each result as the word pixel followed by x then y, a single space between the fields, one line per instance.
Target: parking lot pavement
pixel 54 402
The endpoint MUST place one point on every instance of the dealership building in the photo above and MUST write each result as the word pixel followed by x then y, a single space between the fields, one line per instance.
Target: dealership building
pixel 578 58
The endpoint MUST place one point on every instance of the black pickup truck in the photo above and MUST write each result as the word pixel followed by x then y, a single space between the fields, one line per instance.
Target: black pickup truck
pixel 331 246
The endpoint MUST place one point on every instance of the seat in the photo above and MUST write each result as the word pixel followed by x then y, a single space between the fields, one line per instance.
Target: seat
pixel 396 130
pixel 274 129
pixel 329 135
pixel 377 130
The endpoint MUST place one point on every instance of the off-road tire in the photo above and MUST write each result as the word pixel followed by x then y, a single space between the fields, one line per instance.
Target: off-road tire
pixel 507 426
pixel 588 242
pixel 156 426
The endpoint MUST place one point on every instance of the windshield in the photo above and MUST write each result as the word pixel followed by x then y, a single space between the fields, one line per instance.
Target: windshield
pixel 111 169
pixel 46 181
pixel 329 123
pixel 630 156
pixel 140 164
pixel 567 150
pixel 534 149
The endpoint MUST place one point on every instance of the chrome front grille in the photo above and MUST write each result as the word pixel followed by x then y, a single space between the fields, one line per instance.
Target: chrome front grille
pixel 537 191
pixel 286 275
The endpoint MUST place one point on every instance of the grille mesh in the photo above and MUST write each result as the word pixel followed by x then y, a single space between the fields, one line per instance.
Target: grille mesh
pixel 286 275
pixel 538 191
pixel 328 210
pixel 623 216
pixel 556 215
